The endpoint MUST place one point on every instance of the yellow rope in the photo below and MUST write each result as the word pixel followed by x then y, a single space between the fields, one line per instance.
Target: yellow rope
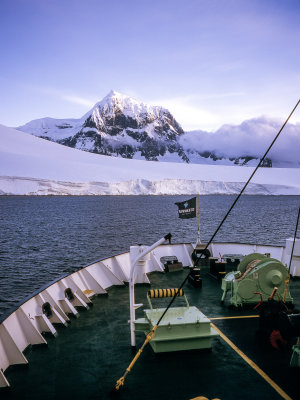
pixel 287 282
pixel 120 382
pixel 273 293
pixel 252 364
pixel 202 398
pixel 235 317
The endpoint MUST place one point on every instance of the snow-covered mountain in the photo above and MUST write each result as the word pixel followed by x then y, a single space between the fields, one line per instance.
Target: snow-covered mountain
pixel 33 166
pixel 117 126
pixel 123 127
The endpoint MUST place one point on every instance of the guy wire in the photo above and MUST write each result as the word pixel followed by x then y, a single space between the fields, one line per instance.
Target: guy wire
pixel 295 234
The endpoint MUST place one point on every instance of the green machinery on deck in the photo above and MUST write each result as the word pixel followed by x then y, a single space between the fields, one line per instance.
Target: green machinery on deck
pixel 182 328
pixel 295 359
pixel 255 279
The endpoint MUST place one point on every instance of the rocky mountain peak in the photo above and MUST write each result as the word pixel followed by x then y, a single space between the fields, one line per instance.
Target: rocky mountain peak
pixel 115 102
pixel 119 125
pixel 115 98
pixel 117 112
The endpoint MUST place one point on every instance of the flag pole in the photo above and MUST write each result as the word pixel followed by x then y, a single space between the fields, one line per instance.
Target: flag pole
pixel 198 212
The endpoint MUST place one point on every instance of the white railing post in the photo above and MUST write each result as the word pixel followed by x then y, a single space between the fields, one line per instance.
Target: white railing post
pixel 134 306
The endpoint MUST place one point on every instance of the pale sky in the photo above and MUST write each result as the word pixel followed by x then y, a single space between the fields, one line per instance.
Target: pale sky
pixel 210 62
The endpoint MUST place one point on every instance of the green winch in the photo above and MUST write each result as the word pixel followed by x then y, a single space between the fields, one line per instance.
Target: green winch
pixel 255 279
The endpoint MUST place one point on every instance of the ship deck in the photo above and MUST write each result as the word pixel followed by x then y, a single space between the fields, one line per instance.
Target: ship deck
pixel 85 360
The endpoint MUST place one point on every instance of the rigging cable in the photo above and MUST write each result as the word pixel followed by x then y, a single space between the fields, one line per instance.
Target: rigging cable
pixel 295 234
pixel 288 276
pixel 150 335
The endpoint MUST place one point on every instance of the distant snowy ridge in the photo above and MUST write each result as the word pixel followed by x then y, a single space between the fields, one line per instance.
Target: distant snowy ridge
pixel 121 126
pixel 31 165
pixel 46 187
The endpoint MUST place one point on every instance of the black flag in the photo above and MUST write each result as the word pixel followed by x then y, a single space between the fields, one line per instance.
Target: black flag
pixel 187 209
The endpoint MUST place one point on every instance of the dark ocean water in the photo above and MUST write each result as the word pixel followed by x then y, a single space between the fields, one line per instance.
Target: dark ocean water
pixel 41 238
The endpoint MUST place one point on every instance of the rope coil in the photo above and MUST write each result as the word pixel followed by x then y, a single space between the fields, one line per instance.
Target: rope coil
pixel 159 293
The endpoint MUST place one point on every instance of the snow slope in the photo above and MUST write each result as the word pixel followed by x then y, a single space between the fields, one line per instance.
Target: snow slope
pixel 31 165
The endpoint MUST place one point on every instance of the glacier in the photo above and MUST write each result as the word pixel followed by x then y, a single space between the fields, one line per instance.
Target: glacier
pixel 30 165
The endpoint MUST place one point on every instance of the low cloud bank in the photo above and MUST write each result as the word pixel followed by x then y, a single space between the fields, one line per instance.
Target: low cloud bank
pixel 251 138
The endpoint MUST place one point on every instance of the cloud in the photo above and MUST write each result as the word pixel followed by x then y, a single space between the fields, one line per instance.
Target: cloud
pixel 188 115
pixel 250 138
pixel 63 95
pixel 190 112
pixel 220 95
pixel 78 100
